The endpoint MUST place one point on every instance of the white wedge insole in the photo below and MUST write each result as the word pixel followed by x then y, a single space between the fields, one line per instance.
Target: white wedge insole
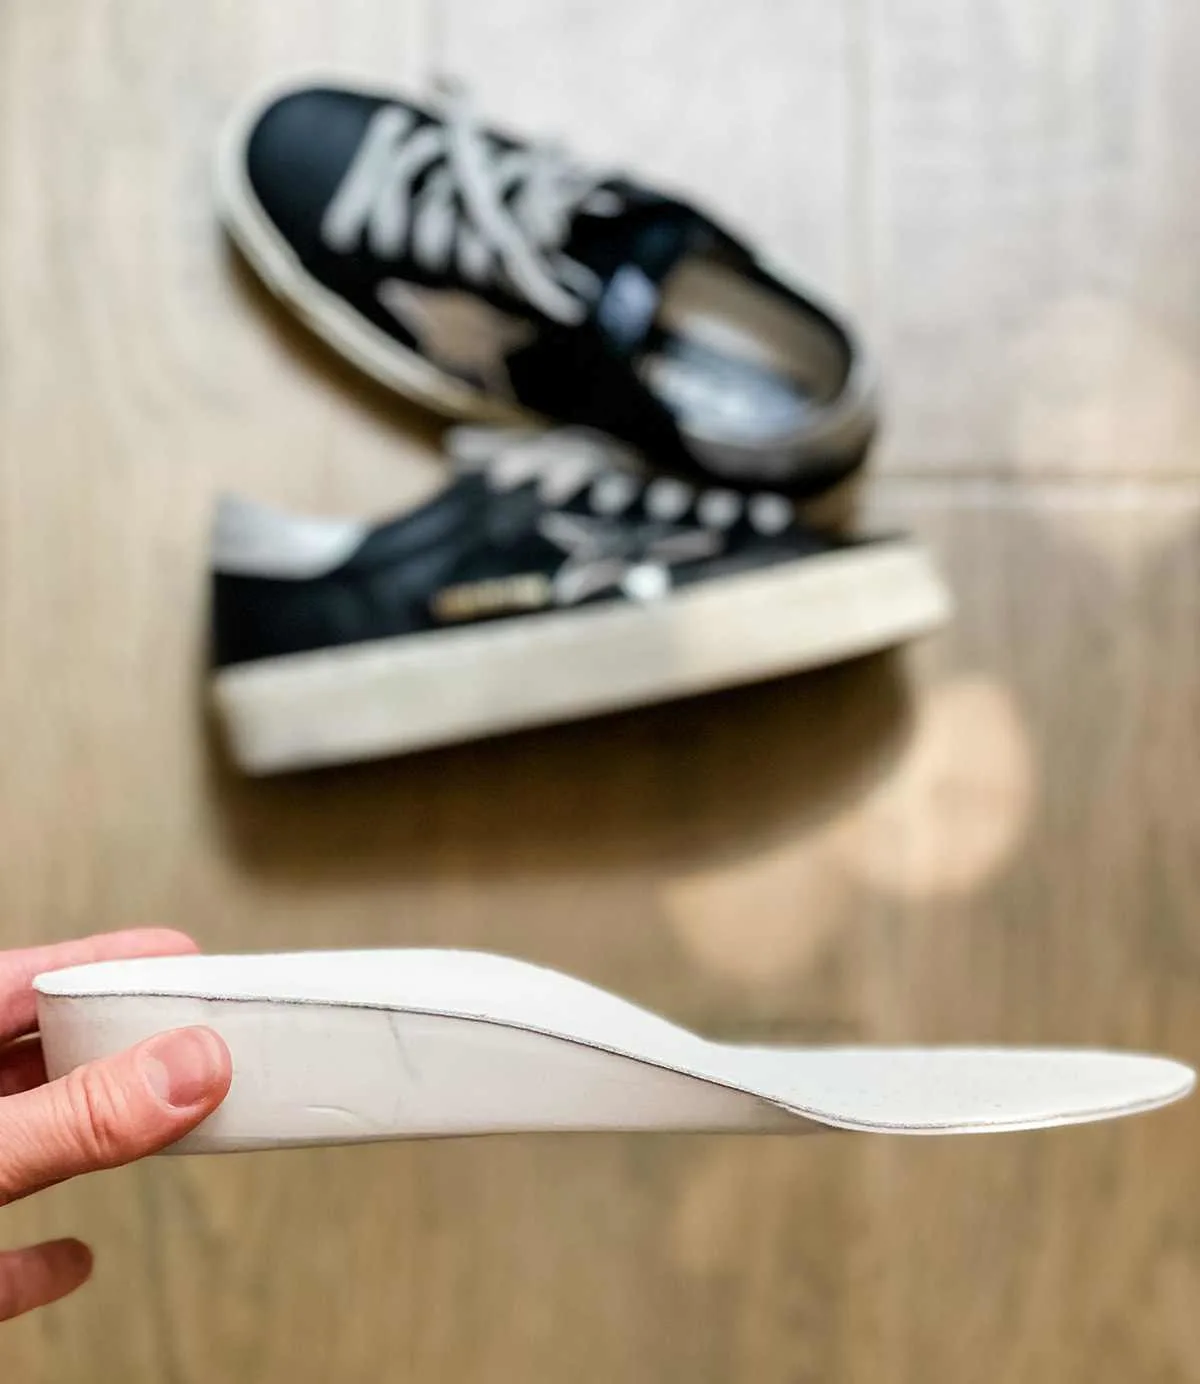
pixel 344 1047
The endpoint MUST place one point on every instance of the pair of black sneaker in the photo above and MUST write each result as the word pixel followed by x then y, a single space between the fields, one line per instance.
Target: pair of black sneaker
pixel 648 403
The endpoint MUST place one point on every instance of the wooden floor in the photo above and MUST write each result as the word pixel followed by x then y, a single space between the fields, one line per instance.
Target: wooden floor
pixel 998 839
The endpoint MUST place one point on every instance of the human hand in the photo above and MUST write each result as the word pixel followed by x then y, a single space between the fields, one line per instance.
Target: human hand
pixel 100 1116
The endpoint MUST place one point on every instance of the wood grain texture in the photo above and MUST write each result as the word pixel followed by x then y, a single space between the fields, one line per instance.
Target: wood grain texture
pixel 1032 204
pixel 995 840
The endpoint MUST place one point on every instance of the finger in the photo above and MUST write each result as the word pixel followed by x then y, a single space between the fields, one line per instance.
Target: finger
pixel 112 1111
pixel 18 1007
pixel 22 1067
pixel 41 1274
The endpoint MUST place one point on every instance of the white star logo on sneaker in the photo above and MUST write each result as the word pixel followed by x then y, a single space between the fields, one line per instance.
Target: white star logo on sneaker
pixel 457 331
pixel 633 558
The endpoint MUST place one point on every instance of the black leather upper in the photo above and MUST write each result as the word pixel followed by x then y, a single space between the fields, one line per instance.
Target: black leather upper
pixel 296 157
pixel 468 533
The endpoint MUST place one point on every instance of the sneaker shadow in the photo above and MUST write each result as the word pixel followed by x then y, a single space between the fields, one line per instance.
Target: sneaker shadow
pixel 701 780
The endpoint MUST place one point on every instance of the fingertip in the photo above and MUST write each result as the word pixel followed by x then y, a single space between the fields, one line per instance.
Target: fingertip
pixel 41 1274
pixel 187 1069
pixel 75 1257
pixel 112 1111
pixel 222 1061
pixel 149 941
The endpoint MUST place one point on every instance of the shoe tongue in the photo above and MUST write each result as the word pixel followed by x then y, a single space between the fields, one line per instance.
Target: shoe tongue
pixel 631 254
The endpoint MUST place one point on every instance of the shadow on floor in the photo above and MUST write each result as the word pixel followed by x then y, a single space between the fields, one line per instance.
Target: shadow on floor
pixel 705 779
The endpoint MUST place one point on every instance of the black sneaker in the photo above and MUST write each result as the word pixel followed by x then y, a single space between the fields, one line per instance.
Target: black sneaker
pixel 492 279
pixel 544 583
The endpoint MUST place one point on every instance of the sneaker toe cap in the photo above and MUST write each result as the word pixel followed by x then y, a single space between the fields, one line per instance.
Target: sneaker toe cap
pixel 296 152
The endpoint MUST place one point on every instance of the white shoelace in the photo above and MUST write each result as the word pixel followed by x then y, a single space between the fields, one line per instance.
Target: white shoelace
pixel 493 211
pixel 565 462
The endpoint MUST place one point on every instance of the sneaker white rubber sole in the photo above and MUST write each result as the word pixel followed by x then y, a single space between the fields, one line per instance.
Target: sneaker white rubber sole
pixel 390 696
pixel 351 1047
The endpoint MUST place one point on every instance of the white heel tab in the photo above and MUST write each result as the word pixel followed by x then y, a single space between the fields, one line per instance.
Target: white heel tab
pixel 252 540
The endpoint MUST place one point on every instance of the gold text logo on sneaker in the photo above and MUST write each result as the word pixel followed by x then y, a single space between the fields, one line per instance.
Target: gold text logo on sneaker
pixel 475 600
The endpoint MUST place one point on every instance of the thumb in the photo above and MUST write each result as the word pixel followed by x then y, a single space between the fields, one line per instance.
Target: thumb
pixel 112 1111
